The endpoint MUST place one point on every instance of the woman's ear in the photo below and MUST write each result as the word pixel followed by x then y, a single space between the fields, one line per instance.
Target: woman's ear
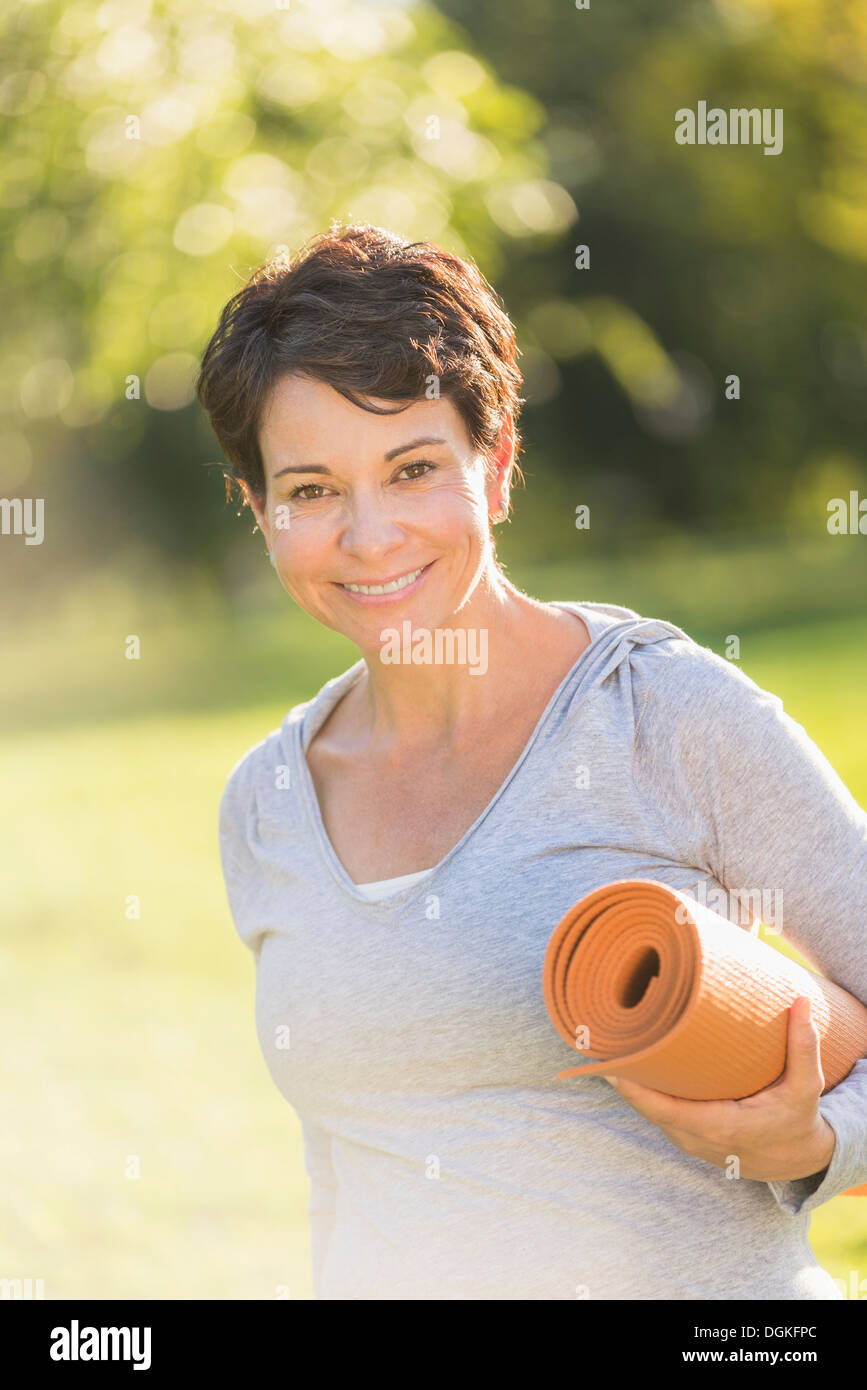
pixel 256 503
pixel 500 467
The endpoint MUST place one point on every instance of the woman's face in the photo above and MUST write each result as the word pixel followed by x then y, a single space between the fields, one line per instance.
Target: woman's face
pixel 355 498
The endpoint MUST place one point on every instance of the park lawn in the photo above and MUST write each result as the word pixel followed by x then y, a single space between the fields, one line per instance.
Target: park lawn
pixel 131 1041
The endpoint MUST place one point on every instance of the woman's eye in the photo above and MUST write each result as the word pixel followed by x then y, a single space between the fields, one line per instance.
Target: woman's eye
pixel 311 492
pixel 302 488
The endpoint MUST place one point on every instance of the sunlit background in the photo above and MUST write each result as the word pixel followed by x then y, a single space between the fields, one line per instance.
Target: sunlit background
pixel 153 155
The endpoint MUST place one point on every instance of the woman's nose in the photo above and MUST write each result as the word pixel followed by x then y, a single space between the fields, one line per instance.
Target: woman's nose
pixel 368 524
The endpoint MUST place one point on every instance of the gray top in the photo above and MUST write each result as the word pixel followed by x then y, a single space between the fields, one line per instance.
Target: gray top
pixel 446 1159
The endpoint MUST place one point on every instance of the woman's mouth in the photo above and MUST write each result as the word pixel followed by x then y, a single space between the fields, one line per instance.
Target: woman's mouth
pixel 388 590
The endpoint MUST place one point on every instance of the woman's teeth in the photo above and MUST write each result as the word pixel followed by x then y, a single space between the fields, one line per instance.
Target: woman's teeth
pixel 384 588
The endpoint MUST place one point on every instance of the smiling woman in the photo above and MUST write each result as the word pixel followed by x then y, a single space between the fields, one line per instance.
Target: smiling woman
pixel 399 850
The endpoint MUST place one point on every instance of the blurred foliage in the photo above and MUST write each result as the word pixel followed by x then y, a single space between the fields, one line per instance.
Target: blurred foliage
pixel 156 151
pixel 713 260
pixel 154 155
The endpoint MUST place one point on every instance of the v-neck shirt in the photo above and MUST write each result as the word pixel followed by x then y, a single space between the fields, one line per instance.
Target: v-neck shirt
pixel 409 1033
pixel 331 695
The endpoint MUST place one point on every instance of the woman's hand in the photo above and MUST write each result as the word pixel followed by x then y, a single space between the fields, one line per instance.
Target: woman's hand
pixel 776 1135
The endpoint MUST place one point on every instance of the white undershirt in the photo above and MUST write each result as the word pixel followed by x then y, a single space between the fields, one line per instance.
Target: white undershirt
pixel 382 887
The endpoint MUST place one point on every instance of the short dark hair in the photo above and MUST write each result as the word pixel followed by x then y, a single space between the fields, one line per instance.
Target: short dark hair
pixel 371 314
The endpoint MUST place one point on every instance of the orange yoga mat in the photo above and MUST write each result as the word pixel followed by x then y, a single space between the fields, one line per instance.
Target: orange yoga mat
pixel 660 989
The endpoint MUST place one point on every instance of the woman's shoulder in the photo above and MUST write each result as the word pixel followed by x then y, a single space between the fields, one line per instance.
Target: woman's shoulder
pixel 672 673
pixel 243 778
pixel 267 762
pixel 677 679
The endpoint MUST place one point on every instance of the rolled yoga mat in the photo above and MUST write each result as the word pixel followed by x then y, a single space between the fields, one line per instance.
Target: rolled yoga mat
pixel 664 991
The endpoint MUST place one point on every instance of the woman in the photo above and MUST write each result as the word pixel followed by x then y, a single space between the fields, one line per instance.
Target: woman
pixel 398 852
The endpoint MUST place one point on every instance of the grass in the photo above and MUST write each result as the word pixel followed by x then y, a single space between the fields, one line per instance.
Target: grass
pixel 145 1150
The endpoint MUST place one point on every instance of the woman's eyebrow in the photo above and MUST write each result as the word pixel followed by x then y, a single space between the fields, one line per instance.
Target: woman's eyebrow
pixel 301 468
pixel 392 453
pixel 414 444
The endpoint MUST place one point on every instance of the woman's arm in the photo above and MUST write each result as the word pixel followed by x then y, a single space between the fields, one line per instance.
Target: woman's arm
pixel 754 801
pixel 242 875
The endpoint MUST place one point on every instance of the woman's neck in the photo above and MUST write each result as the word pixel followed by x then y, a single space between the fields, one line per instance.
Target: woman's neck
pixel 500 649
